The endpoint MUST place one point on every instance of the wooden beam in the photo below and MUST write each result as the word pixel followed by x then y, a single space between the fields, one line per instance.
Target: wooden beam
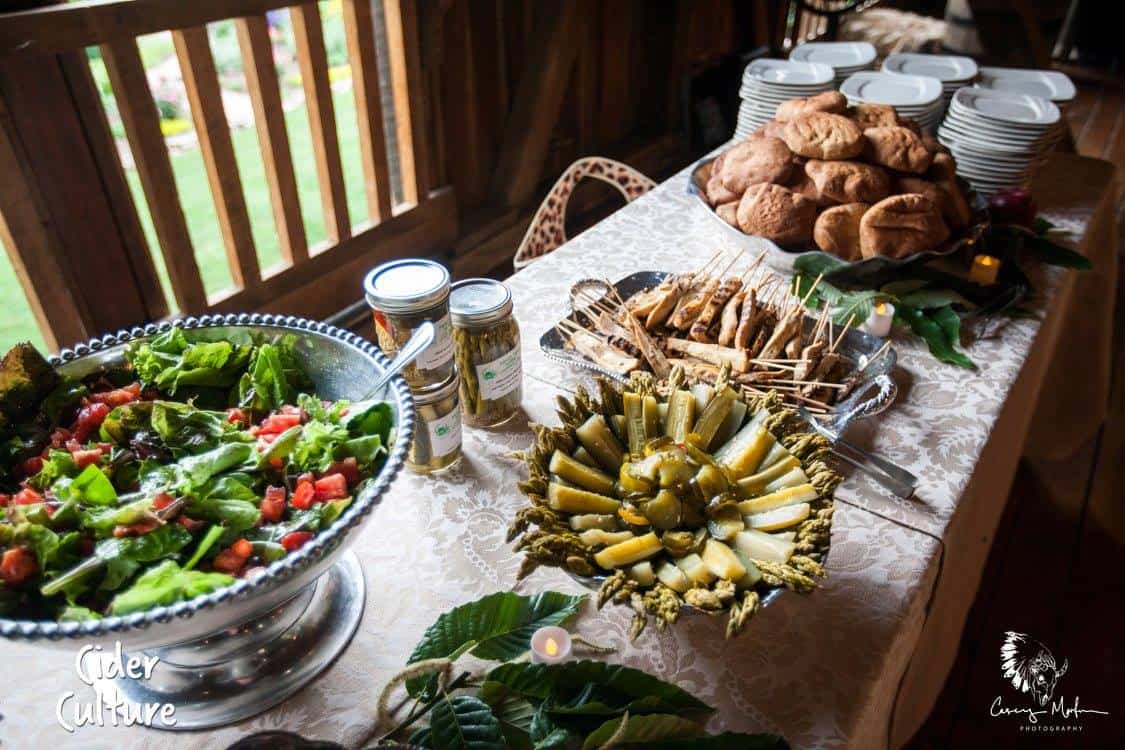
pixel 71 26
pixel 269 119
pixel 313 61
pixel 409 96
pixel 206 101
pixel 538 100
pixel 360 31
pixel 142 127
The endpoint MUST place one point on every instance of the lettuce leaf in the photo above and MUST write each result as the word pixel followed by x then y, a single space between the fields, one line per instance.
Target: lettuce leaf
pixel 165 584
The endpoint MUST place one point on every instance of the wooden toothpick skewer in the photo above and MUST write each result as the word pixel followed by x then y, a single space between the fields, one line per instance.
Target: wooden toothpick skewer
pixel 836 343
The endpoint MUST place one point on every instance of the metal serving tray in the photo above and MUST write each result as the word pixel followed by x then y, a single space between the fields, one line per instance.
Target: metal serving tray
pixel 875 392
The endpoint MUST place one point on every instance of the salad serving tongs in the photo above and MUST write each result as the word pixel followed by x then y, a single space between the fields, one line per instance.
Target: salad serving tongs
pixel 895 478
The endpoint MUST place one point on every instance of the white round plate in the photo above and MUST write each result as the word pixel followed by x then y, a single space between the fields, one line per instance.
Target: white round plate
pixel 1007 107
pixel 891 88
pixel 836 54
pixel 953 69
pixel 1049 84
pixel 789 72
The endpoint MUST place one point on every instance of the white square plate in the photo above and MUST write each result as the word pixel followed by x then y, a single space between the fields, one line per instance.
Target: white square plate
pixel 786 72
pixel 1007 107
pixel 891 88
pixel 836 54
pixel 1049 84
pixel 945 68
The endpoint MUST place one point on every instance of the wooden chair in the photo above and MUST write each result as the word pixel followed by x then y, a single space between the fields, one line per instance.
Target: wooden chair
pixel 548 227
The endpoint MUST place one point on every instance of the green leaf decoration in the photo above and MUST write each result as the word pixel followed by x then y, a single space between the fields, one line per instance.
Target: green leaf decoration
pixel 596 688
pixel 464 723
pixel 814 264
pixel 644 730
pixel 544 733
pixel 724 741
pixel 514 712
pixel 926 299
pixel 1057 255
pixel 905 286
pixel 497 627
pixel 936 338
pixel 950 323
pixel 1041 226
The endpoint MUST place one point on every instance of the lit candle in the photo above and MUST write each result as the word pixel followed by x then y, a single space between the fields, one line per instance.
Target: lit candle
pixel 984 270
pixel 550 645
pixel 879 321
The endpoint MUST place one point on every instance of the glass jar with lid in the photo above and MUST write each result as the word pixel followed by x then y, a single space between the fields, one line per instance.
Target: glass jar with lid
pixel 402 295
pixel 437 428
pixel 486 347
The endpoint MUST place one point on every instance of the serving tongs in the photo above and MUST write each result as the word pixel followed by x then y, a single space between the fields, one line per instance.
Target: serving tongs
pixel 895 478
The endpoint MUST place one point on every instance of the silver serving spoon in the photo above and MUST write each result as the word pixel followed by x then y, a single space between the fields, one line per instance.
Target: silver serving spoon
pixel 418 342
pixel 894 478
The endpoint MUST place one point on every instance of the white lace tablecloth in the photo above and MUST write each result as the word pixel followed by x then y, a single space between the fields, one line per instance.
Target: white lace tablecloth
pixel 825 670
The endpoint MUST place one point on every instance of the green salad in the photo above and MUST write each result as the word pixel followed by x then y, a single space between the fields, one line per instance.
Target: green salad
pixel 196 463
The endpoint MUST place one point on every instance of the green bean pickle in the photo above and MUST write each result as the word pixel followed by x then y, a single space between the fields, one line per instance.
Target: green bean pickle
pixel 486 349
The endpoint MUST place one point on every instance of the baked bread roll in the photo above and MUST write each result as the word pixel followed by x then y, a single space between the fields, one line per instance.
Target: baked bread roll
pixel 945 194
pixel 837 230
pixel 820 135
pixel 757 159
pixel 728 212
pixel 776 213
pixel 828 101
pixel 717 194
pixel 802 184
pixel 873 116
pixel 897 148
pixel 900 226
pixel 942 168
pixel 772 128
pixel 849 181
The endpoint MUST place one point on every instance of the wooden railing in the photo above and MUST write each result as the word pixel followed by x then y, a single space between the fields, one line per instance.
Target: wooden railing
pixel 69 290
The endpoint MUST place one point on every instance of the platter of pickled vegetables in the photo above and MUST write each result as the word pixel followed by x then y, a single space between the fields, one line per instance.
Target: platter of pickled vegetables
pixel 675 497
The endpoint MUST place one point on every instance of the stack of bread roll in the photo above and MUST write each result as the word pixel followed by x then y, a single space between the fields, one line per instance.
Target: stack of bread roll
pixel 857 182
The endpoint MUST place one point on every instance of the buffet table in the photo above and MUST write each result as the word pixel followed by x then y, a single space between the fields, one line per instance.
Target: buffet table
pixel 860 662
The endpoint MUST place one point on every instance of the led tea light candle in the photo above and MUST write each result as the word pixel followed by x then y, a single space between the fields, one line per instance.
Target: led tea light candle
pixel 550 645
pixel 984 270
pixel 879 321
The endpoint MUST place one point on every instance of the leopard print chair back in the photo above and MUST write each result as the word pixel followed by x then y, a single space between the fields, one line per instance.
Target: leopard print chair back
pixel 548 228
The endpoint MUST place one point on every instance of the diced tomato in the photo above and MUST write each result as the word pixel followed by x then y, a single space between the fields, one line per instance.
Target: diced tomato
pixel 190 524
pixel 237 416
pixel 140 528
pixel 84 458
pixel 90 418
pixel 348 467
pixel 304 495
pixel 4 500
pixel 243 548
pixel 273 504
pixel 289 409
pixel 105 448
pixel 60 437
pixel 331 487
pixel 233 558
pixel 294 539
pixel 117 397
pixel 27 496
pixel 32 466
pixel 161 501
pixel 277 424
pixel 17 566
pixel 277 462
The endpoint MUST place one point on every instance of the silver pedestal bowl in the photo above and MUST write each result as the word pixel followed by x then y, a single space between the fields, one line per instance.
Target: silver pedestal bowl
pixel 236 652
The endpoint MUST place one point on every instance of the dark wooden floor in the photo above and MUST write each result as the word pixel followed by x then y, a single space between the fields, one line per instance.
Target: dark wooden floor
pixel 1055 570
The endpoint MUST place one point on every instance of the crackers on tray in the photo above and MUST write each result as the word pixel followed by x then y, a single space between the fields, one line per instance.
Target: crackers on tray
pixel 857 182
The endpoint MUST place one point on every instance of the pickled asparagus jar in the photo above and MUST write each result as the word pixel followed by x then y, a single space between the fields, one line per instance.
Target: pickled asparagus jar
pixel 486 347
pixel 437 428
pixel 402 295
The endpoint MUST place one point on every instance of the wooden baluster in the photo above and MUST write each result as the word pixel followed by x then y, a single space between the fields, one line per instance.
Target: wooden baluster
pixel 142 127
pixel 269 119
pixel 202 85
pixel 313 61
pixel 360 32
pixel 404 46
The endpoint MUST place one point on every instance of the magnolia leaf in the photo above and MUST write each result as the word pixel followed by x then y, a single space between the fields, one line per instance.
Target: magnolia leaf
pixel 905 286
pixel 950 323
pixel 544 733
pixel 514 712
pixel 596 688
pixel 926 299
pixel 814 264
pixel 724 741
pixel 935 337
pixel 644 729
pixel 497 627
pixel 1041 226
pixel 1054 254
pixel 464 723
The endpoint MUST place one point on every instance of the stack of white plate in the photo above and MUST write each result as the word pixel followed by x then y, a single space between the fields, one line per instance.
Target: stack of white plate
pixel 914 97
pixel 1049 84
pixel 998 138
pixel 953 71
pixel 845 58
pixel 767 83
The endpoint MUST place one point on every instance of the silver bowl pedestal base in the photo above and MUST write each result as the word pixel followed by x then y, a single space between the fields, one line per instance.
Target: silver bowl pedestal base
pixel 245 670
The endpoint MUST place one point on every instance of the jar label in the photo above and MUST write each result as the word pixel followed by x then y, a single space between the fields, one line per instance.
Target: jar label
pixel 445 434
pixel 501 376
pixel 438 354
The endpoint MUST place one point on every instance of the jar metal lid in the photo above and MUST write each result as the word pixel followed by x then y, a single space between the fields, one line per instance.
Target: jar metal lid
pixel 406 285
pixel 477 302
pixel 437 391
